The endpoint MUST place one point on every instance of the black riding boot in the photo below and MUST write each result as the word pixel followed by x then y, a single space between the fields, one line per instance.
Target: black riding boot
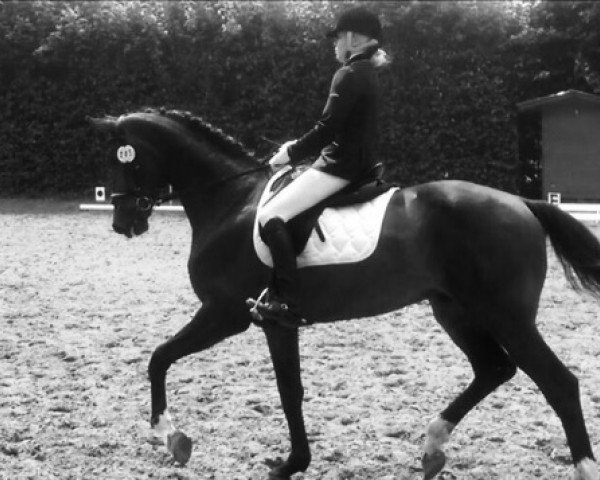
pixel 280 305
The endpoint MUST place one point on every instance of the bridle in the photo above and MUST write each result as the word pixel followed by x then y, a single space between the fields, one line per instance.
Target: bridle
pixel 145 201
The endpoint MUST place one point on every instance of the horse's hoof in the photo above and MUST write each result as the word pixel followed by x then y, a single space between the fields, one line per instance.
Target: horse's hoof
pixel 180 446
pixel 278 476
pixel 433 464
pixel 278 469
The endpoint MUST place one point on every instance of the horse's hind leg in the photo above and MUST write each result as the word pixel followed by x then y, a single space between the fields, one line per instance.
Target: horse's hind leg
pixel 209 326
pixel 491 366
pixel 561 389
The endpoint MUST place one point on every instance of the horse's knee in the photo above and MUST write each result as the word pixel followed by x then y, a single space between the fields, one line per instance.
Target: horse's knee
pixel 565 399
pixel 506 371
pixel 159 362
pixel 571 383
pixel 499 371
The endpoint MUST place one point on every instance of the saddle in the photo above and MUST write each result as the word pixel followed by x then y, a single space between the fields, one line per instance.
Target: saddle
pixel 301 226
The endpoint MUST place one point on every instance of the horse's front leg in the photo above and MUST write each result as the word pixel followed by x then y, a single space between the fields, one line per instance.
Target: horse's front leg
pixel 283 345
pixel 210 325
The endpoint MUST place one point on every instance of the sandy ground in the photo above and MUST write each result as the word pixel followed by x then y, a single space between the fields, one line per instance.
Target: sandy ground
pixel 81 310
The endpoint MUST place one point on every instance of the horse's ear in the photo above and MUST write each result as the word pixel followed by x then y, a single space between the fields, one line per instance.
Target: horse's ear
pixel 106 124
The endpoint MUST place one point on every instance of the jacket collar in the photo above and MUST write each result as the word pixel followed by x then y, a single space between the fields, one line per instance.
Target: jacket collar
pixel 366 55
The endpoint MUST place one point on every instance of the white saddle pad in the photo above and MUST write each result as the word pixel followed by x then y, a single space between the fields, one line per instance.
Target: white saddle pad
pixel 351 232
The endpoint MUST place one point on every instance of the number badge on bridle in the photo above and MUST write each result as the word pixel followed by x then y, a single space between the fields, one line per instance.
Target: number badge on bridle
pixel 126 154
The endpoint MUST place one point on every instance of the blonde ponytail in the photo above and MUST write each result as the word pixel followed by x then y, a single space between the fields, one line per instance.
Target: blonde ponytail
pixel 380 59
pixel 357 43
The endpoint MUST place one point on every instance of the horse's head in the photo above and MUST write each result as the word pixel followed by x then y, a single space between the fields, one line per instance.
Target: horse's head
pixel 156 148
pixel 137 169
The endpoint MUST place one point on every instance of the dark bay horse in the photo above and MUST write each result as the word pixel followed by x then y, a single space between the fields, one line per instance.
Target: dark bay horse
pixel 478 255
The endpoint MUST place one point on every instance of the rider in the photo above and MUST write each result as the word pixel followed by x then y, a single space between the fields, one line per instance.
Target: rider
pixel 345 135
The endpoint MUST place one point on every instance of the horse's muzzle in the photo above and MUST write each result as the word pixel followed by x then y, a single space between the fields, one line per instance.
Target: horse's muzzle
pixel 131 214
pixel 136 227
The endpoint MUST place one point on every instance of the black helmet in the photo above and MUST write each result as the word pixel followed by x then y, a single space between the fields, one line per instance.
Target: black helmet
pixel 359 20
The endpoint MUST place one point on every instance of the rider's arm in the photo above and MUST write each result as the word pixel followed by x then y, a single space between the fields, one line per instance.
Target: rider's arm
pixel 342 97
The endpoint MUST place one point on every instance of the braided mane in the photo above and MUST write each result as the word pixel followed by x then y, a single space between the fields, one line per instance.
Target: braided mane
pixel 199 126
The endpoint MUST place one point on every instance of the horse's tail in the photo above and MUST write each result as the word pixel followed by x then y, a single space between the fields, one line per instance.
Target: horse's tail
pixel 576 247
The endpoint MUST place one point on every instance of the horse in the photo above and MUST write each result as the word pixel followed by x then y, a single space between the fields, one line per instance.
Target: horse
pixel 477 254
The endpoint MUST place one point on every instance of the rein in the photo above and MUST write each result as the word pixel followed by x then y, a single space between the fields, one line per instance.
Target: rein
pixel 264 165
pixel 170 196
pixel 145 202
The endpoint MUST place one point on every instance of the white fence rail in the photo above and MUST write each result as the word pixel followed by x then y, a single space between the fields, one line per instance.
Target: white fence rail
pixel 101 205
pixel 98 207
pixel 587 212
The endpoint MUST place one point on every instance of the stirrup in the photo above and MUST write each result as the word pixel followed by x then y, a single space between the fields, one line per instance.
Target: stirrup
pixel 270 309
pixel 281 313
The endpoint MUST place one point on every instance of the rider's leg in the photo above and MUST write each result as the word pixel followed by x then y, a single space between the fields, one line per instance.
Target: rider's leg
pixel 307 190
pixel 310 188
pixel 283 280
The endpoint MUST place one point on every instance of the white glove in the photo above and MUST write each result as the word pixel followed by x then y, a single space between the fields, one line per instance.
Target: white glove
pixel 281 158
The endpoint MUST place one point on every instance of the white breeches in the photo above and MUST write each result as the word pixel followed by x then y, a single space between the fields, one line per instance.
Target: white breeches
pixel 310 188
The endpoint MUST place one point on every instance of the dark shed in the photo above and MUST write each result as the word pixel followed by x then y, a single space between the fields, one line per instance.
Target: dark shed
pixel 570 144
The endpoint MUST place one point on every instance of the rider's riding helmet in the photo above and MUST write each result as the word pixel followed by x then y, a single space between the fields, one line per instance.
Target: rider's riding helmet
pixel 358 20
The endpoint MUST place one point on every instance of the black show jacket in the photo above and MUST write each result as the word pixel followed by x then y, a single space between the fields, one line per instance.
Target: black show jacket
pixel 347 130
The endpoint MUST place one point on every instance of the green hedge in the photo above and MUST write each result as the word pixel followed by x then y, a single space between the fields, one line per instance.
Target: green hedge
pixel 262 69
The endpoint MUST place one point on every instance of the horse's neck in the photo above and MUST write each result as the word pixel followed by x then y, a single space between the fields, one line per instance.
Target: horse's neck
pixel 215 187
pixel 229 202
pixel 204 169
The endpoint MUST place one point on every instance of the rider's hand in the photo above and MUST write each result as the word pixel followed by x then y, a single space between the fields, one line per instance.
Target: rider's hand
pixel 281 158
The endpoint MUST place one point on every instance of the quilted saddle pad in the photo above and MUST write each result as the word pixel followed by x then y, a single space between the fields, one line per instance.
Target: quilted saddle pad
pixel 351 232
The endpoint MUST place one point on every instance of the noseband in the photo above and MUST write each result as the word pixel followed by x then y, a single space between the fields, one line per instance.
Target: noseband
pixel 143 203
